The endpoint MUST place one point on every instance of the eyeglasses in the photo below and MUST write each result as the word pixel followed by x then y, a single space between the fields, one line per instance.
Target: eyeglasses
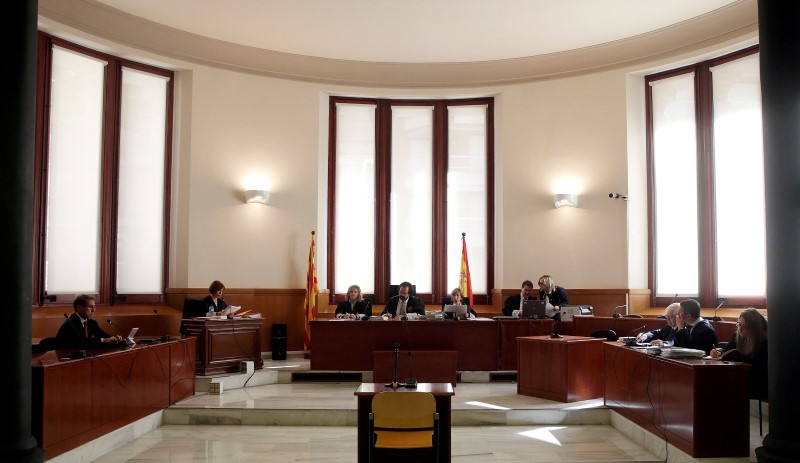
pixel 91 308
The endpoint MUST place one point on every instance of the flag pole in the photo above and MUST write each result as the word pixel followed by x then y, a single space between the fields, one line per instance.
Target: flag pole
pixel 310 302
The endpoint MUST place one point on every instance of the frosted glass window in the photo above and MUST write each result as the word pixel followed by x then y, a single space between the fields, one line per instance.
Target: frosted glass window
pixel 466 194
pixel 675 185
pixel 72 247
pixel 354 239
pixel 140 213
pixel 410 210
pixel 739 179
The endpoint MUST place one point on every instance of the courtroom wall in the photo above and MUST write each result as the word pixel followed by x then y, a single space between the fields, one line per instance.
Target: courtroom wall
pixel 581 132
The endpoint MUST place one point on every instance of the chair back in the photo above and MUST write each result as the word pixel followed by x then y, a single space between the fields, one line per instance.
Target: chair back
pixel 404 410
pixel 610 335
pixel 632 315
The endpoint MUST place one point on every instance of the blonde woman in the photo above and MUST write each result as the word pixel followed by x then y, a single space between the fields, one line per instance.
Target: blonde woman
pixel 354 306
pixel 555 295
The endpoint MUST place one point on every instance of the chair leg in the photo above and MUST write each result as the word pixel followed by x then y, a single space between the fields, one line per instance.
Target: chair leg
pixel 760 421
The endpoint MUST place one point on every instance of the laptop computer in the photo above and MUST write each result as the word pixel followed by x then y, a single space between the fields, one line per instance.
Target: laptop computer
pixel 129 339
pixel 532 308
pixel 452 311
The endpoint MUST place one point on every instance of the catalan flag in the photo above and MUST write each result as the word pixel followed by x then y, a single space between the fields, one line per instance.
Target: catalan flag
pixel 312 289
pixel 464 279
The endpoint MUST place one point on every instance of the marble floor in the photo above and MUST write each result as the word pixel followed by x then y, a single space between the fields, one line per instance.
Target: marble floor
pixel 315 421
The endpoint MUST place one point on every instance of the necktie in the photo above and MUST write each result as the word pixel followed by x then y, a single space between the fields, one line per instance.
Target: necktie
pixel 403 308
pixel 86 328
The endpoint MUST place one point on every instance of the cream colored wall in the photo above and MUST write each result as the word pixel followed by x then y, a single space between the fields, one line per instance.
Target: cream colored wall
pixel 547 133
pixel 584 130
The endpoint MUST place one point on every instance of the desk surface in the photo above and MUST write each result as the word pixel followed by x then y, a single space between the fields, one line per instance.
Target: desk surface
pixel 437 389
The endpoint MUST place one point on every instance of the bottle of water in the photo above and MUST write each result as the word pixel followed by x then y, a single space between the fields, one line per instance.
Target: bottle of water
pixel 210 311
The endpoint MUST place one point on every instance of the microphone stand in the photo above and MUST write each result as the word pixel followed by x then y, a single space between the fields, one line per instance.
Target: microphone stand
pixel 715 318
pixel 394 384
pixel 633 343
pixel 166 337
pixel 554 334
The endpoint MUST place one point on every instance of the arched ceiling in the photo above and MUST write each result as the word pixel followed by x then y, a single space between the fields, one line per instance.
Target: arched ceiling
pixel 408 43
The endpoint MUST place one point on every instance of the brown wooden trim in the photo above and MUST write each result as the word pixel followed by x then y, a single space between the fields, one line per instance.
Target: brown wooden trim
pixel 707 265
pixel 383 189
pixel 110 172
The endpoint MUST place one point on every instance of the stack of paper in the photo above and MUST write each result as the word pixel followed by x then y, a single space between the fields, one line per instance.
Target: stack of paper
pixel 682 352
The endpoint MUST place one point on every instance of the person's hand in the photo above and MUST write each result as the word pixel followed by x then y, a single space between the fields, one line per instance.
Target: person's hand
pixel 657 342
pixel 715 353
pixel 640 337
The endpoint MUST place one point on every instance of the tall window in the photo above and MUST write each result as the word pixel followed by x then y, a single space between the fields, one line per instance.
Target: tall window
pixel 407 178
pixel 102 157
pixel 707 227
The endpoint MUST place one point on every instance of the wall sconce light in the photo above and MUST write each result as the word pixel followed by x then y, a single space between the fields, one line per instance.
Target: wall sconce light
pixel 256 196
pixel 565 199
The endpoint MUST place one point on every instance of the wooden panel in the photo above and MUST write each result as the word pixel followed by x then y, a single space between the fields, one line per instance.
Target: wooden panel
pixel 567 369
pixel 182 369
pixel 426 366
pixel 477 344
pixel 681 400
pixel 76 401
pixel 223 344
pixel 510 330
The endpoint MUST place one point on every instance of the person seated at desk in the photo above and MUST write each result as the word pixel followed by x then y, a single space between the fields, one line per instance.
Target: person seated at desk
pixel 80 329
pixel 214 302
pixel 555 296
pixel 401 306
pixel 749 345
pixel 663 336
pixel 456 299
pixel 355 306
pixel 514 302
pixel 694 332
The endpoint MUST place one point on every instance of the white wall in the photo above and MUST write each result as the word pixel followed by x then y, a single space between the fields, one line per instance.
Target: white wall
pixel 584 131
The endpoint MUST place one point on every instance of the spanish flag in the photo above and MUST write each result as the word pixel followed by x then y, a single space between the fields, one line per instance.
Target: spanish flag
pixel 312 289
pixel 464 280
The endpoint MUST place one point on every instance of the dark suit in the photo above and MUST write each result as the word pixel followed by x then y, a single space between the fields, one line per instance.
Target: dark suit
pixel 758 369
pixel 701 337
pixel 220 306
pixel 667 333
pixel 414 305
pixel 71 333
pixel 363 307
pixel 512 303
pixel 557 297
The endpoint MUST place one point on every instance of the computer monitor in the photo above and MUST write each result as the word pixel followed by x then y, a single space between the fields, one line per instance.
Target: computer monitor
pixel 532 308
pixel 455 312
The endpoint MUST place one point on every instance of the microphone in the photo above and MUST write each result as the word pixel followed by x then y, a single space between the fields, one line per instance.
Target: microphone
pixel 554 334
pixel 411 383
pixel 617 196
pixel 394 384
pixel 724 300
pixel 631 341
pixel 81 353
pixel 616 315
pixel 673 298
pixel 166 336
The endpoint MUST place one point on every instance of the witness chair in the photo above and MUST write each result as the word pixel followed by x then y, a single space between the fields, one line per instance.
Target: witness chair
pixel 404 423
pixel 609 335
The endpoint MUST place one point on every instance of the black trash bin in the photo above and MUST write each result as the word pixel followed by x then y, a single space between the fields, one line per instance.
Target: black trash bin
pixel 279 341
